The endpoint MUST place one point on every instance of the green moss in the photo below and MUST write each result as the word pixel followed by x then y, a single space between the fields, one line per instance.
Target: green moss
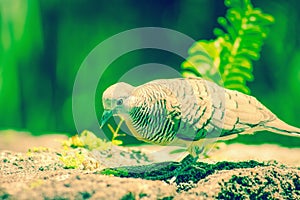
pixel 167 198
pixel 72 157
pixel 141 195
pixel 71 160
pixel 128 196
pixel 186 178
pixel 272 182
pixel 87 140
pixel 4 195
pixel 85 195
pixel 38 150
pixel 120 172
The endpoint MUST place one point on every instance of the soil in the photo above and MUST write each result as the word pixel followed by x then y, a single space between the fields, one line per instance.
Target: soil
pixel 235 171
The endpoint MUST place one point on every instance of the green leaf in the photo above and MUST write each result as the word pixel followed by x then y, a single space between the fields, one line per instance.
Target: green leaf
pixel 235 79
pixel 238 43
pixel 242 62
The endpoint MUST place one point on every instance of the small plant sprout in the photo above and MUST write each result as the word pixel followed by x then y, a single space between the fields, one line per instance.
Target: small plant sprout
pixel 115 133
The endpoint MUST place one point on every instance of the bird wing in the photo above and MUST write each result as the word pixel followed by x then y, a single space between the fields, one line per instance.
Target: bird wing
pixel 229 110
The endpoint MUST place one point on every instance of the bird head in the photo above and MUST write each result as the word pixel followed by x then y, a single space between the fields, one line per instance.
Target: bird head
pixel 115 100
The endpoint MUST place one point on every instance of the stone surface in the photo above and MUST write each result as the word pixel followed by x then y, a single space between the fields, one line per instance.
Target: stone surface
pixel 40 174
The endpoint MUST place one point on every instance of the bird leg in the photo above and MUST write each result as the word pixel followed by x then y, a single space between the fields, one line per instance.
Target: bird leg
pixel 184 164
pixel 167 171
pixel 171 175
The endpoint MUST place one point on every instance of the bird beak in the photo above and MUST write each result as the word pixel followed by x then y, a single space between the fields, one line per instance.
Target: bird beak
pixel 105 117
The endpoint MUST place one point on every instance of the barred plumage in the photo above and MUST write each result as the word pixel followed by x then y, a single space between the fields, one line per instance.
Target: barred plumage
pixel 188 109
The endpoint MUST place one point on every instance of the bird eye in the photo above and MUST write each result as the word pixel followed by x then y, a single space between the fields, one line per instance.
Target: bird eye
pixel 119 102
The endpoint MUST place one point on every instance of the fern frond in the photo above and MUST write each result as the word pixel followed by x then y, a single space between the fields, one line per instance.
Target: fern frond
pixel 238 44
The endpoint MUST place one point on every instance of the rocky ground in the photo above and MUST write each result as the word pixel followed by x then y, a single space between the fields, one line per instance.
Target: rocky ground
pixel 235 171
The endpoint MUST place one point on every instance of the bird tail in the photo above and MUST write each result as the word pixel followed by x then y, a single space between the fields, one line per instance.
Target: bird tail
pixel 280 127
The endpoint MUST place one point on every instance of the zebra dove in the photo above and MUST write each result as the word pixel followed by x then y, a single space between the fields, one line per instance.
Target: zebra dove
pixel 181 110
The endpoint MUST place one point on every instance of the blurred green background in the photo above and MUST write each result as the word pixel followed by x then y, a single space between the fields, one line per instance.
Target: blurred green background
pixel 44 42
